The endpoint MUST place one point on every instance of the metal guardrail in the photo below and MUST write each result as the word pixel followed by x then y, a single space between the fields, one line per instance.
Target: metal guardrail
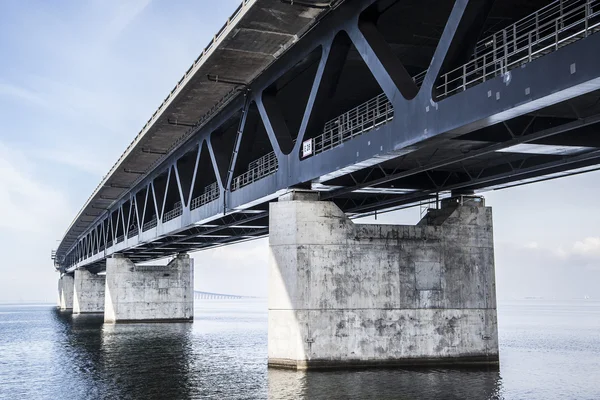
pixel 257 169
pixel 150 224
pixel 211 192
pixel 366 116
pixel 550 28
pixel 133 231
pixel 174 213
pixel 120 239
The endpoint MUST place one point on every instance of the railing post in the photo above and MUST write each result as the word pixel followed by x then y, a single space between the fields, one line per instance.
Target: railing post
pixel 530 45
pixel 362 124
pixel 505 40
pixel 537 26
pixel 514 38
pixel 446 84
pixel 556 33
pixel 587 17
pixel 505 56
pixel 560 18
pixel 464 76
pixel 494 45
pixel 484 64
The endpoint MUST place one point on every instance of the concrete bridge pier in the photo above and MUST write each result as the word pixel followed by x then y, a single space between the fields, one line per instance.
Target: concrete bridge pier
pixel 343 294
pixel 65 292
pixel 88 293
pixel 149 293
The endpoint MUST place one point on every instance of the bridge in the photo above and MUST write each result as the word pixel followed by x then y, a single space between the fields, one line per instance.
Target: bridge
pixel 198 295
pixel 300 116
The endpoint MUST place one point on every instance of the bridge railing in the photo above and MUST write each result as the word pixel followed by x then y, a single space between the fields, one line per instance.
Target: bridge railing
pixel 211 192
pixel 174 213
pixel 133 231
pixel 257 169
pixel 548 29
pixel 150 224
pixel 358 120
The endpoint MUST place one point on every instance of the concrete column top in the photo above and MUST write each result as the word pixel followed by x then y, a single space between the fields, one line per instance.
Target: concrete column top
pixel 300 195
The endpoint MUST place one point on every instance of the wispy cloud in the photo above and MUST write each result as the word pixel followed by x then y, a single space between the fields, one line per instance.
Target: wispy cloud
pixel 79 158
pixel 81 80
pixel 254 252
pixel 579 253
pixel 589 246
pixel 561 272
pixel 27 203
pixel 12 92
pixel 124 15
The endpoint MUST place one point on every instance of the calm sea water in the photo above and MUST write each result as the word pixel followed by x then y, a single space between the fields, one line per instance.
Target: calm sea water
pixel 549 350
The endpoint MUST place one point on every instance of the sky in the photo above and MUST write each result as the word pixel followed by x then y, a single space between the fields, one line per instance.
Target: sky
pixel 78 79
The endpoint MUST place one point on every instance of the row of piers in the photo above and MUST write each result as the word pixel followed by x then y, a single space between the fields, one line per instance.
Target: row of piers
pixel 340 294
pixel 132 293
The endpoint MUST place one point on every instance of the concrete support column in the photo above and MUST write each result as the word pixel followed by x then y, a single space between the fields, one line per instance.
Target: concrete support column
pixel 136 293
pixel 65 292
pixel 88 296
pixel 343 294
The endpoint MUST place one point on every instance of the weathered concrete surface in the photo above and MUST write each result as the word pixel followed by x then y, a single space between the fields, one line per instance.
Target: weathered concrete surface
pixel 88 293
pixel 65 292
pixel 136 293
pixel 342 294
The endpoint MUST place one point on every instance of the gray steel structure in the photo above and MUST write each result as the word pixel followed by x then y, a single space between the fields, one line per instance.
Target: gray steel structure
pixel 377 104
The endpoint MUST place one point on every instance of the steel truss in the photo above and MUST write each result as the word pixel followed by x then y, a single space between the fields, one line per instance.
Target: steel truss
pixel 160 215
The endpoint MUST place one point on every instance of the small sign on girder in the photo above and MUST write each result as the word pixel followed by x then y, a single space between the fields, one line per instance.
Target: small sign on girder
pixel 307 148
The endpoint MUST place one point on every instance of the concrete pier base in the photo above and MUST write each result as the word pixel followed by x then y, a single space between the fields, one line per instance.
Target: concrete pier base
pixel 345 295
pixel 65 292
pixel 149 293
pixel 88 294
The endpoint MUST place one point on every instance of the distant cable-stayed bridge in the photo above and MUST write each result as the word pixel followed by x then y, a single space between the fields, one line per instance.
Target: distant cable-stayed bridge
pixel 199 295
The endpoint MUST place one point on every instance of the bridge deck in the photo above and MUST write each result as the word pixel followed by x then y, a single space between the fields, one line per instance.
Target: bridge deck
pixel 244 47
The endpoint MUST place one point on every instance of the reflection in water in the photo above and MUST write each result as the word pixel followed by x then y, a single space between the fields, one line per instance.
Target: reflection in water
pixel 547 351
pixel 386 384
pixel 148 360
pixel 77 355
